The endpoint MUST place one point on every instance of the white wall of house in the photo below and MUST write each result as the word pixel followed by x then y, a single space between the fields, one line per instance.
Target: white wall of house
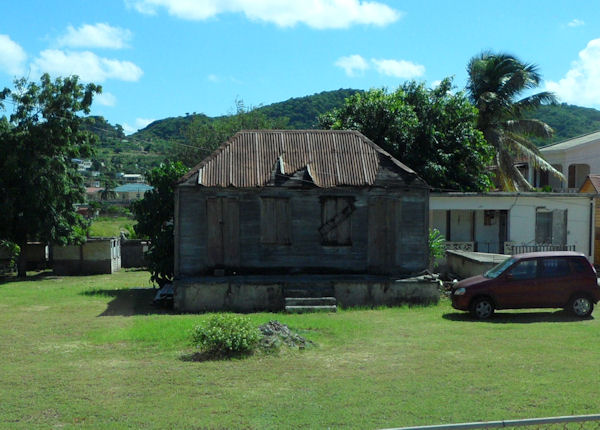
pixel 582 153
pixel 521 222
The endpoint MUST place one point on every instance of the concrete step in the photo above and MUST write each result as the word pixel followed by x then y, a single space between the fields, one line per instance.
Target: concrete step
pixel 299 291
pixel 304 309
pixel 310 301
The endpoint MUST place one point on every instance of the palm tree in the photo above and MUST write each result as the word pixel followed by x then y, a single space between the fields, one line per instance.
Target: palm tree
pixel 495 82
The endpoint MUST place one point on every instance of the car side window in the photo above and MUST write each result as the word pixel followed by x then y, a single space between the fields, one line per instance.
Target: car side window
pixel 580 265
pixel 555 267
pixel 526 269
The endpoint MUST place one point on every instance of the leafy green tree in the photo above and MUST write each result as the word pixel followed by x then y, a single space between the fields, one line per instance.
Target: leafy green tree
pixel 495 83
pixel 39 184
pixel 108 192
pixel 430 130
pixel 154 215
pixel 203 136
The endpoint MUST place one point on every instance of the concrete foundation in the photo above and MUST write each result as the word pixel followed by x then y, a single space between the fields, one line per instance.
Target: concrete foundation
pixel 465 264
pixel 267 293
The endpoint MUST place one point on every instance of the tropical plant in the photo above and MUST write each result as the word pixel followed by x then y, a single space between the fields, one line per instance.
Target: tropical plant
pixel 437 246
pixel 154 215
pixel 495 83
pixel 39 183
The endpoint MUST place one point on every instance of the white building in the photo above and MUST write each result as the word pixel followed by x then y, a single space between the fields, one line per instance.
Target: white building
pixel 498 222
pixel 574 158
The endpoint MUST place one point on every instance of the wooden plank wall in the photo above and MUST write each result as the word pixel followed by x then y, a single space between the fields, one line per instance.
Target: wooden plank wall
pixel 404 237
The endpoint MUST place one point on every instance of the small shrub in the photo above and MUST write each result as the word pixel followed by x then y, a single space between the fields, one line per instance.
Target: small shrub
pixel 437 246
pixel 226 335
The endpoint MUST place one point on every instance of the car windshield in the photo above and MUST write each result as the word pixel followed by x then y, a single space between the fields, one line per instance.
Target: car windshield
pixel 497 270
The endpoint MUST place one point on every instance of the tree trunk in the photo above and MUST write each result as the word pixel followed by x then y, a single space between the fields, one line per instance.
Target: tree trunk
pixel 22 260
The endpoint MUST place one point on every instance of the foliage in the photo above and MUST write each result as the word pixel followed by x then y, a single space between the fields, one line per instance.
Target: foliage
pixel 430 130
pixel 437 245
pixel 203 137
pixel 224 335
pixel 154 215
pixel 11 249
pixel 108 192
pixel 495 84
pixel 39 184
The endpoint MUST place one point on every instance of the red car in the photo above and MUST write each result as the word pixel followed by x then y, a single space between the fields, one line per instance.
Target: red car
pixel 534 280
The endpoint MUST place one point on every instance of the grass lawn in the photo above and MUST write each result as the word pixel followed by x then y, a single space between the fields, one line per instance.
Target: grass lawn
pixel 110 226
pixel 89 350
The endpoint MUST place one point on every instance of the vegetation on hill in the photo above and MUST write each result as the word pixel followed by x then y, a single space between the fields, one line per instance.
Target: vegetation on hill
pixel 168 137
pixel 302 112
pixel 568 121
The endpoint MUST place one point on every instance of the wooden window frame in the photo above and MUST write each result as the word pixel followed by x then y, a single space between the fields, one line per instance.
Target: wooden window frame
pixel 340 235
pixel 275 221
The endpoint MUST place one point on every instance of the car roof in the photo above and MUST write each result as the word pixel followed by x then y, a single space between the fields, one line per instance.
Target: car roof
pixel 548 254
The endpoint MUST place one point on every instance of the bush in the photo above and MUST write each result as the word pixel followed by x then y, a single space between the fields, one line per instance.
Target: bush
pixel 437 246
pixel 226 335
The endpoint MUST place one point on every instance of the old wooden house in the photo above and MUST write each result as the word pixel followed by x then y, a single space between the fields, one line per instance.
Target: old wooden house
pixel 300 201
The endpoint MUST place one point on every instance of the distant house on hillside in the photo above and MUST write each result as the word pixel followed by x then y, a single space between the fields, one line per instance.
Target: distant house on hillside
pixel 301 201
pixel 576 158
pixel 130 192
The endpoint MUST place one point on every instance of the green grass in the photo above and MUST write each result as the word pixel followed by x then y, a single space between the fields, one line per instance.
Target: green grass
pixel 89 350
pixel 110 226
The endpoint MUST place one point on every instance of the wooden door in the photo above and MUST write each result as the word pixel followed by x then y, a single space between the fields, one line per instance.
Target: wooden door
pixel 223 220
pixel 383 217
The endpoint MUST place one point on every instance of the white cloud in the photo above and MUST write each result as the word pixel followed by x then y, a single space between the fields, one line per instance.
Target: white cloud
pixel 143 122
pixel 12 56
pixel 576 23
pixel 105 99
pixel 99 35
pixel 398 68
pixel 353 65
pixel 213 78
pixel 128 129
pixel 87 65
pixel 581 84
pixel 319 14
pixel 139 124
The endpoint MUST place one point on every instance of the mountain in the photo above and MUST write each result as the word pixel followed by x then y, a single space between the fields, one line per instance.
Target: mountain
pixel 302 113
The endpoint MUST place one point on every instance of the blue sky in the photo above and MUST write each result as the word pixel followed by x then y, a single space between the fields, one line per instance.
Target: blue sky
pixel 161 58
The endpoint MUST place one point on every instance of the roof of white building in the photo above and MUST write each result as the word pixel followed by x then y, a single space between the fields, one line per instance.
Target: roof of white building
pixel 571 143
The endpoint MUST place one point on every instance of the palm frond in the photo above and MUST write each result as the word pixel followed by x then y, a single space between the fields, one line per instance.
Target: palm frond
pixel 530 127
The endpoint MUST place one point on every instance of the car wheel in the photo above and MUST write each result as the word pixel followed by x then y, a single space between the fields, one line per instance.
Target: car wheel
pixel 482 308
pixel 581 306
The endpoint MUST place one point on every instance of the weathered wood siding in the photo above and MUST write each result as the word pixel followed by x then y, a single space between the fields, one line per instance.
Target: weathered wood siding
pixel 395 233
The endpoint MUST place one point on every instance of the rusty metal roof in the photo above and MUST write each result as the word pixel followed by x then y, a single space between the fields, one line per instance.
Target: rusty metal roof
pixel 328 158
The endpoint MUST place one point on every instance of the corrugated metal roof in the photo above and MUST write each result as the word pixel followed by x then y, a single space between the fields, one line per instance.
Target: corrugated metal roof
pixel 571 143
pixel 330 158
pixel 595 181
pixel 133 188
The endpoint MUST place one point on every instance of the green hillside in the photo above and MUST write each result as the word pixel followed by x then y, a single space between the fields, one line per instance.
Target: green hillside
pixel 164 138
pixel 568 121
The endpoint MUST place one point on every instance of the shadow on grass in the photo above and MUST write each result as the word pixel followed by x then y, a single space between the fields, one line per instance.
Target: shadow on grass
pixel 129 302
pixel 560 316
pixel 200 356
pixel 31 277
